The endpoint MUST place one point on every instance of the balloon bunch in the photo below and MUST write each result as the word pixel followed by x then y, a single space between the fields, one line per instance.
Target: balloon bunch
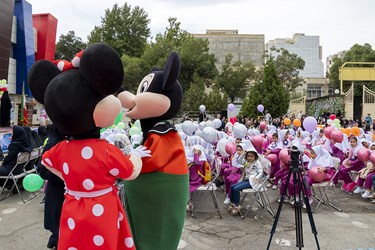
pixel 3 86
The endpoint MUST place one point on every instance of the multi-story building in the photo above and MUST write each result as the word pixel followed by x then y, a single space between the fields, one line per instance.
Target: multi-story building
pixel 24 39
pixel 308 48
pixel 329 60
pixel 243 47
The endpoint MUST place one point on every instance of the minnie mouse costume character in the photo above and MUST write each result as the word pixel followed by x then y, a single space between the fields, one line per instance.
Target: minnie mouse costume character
pixel 156 200
pixel 79 102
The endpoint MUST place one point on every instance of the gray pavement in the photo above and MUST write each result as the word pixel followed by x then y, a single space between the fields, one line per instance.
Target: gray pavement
pixel 21 226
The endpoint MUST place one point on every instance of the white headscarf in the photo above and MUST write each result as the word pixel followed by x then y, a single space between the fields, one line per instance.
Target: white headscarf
pixel 357 147
pixel 190 154
pixel 274 145
pixel 323 158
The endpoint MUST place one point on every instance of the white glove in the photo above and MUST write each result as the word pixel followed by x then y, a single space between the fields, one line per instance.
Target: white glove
pixel 141 151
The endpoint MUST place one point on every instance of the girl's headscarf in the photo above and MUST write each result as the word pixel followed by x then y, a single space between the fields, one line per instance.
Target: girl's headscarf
pixel 323 158
pixel 19 139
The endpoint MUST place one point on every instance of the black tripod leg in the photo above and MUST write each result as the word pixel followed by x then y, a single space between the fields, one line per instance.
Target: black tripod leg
pixel 298 209
pixel 309 213
pixel 273 230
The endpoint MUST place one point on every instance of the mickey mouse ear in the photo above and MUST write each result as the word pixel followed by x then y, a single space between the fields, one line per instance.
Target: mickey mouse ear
pixel 102 68
pixel 40 75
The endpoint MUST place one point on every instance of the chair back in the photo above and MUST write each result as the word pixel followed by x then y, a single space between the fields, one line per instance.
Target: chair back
pixel 34 154
pixel 23 157
pixel 336 162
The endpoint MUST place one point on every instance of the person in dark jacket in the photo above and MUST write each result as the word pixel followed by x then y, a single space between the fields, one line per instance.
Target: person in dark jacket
pixel 42 132
pixel 5 110
pixel 54 192
pixel 38 141
pixel 32 144
pixel 17 145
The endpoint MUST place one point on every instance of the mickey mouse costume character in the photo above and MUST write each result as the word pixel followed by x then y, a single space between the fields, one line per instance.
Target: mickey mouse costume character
pixel 79 102
pixel 156 200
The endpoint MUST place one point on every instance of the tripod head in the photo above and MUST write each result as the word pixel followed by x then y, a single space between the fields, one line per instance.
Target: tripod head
pixel 295 156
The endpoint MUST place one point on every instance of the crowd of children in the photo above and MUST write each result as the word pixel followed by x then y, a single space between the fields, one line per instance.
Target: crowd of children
pixel 241 169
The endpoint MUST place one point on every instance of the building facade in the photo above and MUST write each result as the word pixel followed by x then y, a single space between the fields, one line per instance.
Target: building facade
pixel 243 47
pixel 24 39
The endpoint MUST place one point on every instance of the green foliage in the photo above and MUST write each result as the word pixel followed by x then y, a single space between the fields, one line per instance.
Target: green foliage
pixel 216 100
pixel 329 104
pixel 269 91
pixel 68 46
pixel 357 53
pixel 134 73
pixel 287 67
pixel 123 28
pixel 194 96
pixel 235 78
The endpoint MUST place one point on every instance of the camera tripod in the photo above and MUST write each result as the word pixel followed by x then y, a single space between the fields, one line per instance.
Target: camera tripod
pixel 298 178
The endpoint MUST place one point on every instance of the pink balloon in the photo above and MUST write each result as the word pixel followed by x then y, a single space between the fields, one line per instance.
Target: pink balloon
pixel 337 135
pixel 363 154
pixel 257 141
pixel 263 125
pixel 328 131
pixel 233 119
pixel 230 148
pixel 272 158
pixel 332 117
pixel 316 175
pixel 372 158
pixel 284 156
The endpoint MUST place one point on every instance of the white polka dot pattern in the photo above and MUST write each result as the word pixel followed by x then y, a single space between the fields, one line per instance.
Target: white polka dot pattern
pixel 71 224
pixel 97 210
pixel 86 153
pixel 98 240
pixel 120 216
pixel 129 242
pixel 72 248
pixel 66 168
pixel 88 184
pixel 114 171
pixel 48 161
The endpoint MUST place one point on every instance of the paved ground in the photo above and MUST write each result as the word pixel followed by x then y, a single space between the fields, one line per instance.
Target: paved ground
pixel 21 226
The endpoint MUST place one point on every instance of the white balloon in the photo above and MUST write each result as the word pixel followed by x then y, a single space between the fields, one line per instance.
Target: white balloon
pixel 210 123
pixel 178 126
pixel 239 130
pixel 202 108
pixel 228 125
pixel 202 125
pixel 209 134
pixel 188 127
pixel 221 147
pixel 222 135
pixel 198 133
pixel 329 121
pixel 217 123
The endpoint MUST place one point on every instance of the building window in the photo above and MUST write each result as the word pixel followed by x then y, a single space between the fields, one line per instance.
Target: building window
pixel 313 92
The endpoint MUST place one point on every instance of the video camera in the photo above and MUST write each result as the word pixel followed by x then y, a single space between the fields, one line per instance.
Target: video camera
pixel 294 157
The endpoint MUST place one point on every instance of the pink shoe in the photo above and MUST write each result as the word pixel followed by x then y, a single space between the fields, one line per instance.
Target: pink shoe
pixel 350 187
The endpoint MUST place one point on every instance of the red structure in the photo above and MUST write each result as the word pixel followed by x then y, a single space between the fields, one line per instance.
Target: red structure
pixel 46 24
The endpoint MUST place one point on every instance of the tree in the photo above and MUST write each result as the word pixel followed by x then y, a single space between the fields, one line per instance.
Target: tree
pixel 68 46
pixel 216 100
pixel 269 91
pixel 235 78
pixel 357 53
pixel 134 73
pixel 287 67
pixel 124 29
pixel 194 96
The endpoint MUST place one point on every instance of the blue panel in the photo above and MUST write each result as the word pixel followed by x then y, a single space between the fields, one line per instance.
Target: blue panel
pixel 23 51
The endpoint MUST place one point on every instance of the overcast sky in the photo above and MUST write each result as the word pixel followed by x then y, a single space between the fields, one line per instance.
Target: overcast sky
pixel 339 23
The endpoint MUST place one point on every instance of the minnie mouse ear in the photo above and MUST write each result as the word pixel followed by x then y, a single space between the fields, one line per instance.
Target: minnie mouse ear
pixel 102 68
pixel 40 75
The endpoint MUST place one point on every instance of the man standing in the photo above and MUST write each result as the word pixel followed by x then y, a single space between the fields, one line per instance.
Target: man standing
pixel 268 116
pixel 368 121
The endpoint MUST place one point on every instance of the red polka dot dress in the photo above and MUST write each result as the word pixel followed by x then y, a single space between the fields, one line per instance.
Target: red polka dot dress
pixel 92 215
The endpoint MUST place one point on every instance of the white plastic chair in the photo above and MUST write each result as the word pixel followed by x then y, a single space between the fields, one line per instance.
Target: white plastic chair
pixel 324 186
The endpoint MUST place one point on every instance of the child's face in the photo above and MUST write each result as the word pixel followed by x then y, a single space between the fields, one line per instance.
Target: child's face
pixel 238 141
pixel 286 135
pixel 250 157
pixel 372 147
pixel 239 150
pixel 365 144
pixel 353 143
pixel 196 151
pixel 321 134
pixel 274 138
